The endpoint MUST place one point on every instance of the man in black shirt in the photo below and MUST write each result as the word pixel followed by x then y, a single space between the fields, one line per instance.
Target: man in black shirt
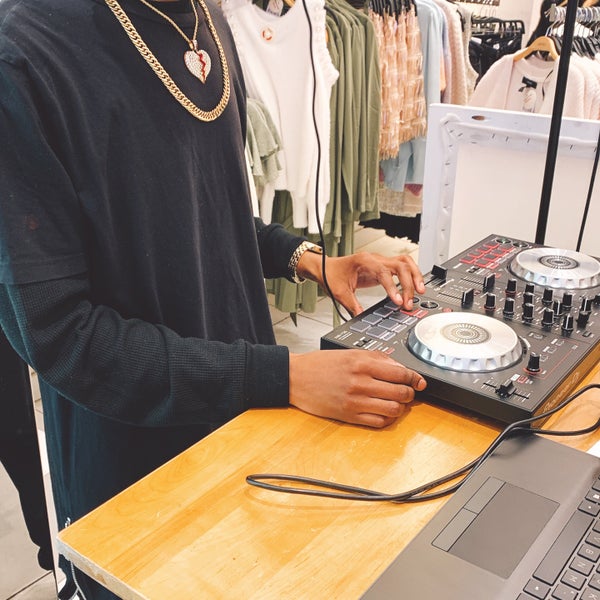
pixel 131 267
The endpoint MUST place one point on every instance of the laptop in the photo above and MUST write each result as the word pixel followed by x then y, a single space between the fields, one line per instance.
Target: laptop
pixel 525 526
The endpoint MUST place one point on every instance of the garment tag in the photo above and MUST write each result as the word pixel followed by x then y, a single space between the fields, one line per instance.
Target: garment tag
pixel 275 7
pixel 529 82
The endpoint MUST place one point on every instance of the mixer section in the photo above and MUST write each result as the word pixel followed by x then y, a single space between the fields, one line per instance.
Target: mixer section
pixel 506 329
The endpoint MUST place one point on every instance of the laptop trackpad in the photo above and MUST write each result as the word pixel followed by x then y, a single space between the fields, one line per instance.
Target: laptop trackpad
pixel 497 526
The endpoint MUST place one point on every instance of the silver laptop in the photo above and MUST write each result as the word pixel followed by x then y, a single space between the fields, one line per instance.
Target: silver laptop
pixel 525 526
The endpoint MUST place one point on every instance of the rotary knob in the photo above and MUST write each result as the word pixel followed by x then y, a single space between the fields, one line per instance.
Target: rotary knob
pixel 511 287
pixel 529 288
pixel 490 302
pixel 528 298
pixel 597 299
pixel 567 324
pixel 533 364
pixel 586 304
pixel 547 296
pixel 582 318
pixel 509 307
pixel 567 301
pixel 528 313
pixel 557 308
pixel 548 317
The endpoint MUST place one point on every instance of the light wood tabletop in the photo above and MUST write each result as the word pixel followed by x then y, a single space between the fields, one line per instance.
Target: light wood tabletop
pixel 195 529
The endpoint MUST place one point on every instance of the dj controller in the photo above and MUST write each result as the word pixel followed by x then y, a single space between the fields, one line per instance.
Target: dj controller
pixel 506 329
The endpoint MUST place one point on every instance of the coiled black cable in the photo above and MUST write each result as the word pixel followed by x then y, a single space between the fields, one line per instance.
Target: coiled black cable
pixel 421 493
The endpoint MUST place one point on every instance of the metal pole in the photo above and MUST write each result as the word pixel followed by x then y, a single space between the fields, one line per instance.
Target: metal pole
pixel 557 110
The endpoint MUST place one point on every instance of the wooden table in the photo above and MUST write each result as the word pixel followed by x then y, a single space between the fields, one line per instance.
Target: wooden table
pixel 195 529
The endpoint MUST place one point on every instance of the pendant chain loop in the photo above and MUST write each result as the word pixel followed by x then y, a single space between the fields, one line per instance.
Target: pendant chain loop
pixel 162 74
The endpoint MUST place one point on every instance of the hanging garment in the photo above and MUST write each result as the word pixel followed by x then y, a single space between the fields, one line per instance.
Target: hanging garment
pixel 401 59
pixel 460 73
pixel 262 148
pixel 491 38
pixel 355 102
pixel 529 85
pixel 407 164
pixel 275 53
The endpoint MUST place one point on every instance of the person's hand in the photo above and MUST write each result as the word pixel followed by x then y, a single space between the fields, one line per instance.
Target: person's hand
pixel 355 386
pixel 346 274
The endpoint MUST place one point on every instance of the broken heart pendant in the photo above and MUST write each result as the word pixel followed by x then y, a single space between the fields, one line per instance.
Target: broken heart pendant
pixel 198 63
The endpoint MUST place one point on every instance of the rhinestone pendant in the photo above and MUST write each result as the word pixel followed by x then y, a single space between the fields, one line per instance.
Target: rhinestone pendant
pixel 198 63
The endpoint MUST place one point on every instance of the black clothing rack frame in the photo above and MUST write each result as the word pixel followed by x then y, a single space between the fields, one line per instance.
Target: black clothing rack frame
pixel 555 123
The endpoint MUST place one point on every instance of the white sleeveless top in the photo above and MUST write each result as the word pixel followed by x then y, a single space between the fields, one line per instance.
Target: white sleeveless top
pixel 276 60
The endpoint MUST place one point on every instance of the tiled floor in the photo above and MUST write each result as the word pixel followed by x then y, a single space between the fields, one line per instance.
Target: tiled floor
pixel 20 576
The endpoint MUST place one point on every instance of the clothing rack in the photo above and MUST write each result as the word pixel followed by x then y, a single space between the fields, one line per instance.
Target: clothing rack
pixel 484 2
pixel 591 14
pixel 394 7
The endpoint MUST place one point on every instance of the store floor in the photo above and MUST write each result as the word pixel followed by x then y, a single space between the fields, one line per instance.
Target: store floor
pixel 20 576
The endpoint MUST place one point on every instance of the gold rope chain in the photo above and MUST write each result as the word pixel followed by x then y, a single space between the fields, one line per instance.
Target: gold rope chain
pixel 149 57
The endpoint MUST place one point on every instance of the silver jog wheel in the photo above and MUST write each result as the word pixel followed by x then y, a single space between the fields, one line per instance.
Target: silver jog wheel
pixel 551 267
pixel 465 342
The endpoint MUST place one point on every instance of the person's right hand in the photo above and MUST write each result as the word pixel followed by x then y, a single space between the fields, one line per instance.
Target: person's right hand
pixel 355 386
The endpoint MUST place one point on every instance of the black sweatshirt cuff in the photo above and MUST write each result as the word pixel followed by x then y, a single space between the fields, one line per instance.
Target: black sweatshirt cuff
pixel 268 381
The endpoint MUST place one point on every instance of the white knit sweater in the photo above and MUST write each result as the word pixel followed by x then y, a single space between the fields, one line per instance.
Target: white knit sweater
pixel 529 85
pixel 276 60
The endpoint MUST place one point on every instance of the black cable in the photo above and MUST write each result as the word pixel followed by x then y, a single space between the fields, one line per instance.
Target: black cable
pixel 589 194
pixel 316 127
pixel 347 492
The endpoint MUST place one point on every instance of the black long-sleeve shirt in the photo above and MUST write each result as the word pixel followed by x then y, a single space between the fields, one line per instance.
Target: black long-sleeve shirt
pixel 131 267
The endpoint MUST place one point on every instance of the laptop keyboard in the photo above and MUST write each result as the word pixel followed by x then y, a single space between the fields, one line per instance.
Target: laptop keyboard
pixel 571 568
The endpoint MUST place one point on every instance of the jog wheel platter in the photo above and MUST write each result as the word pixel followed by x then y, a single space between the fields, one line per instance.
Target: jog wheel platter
pixel 506 329
pixel 465 342
pixel 556 268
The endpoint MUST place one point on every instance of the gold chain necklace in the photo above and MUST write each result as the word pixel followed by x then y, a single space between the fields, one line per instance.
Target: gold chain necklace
pixel 200 61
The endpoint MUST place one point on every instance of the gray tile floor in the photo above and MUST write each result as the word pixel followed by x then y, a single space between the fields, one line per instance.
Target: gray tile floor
pixel 20 576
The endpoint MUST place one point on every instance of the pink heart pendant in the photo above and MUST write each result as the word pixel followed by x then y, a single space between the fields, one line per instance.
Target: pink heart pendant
pixel 198 63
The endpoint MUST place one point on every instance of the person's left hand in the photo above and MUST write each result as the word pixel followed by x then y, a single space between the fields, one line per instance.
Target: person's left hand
pixel 346 274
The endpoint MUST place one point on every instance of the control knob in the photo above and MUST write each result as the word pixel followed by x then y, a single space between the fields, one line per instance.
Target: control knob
pixel 511 287
pixel 509 307
pixel 597 300
pixel 548 317
pixel 567 325
pixel 528 313
pixel 533 364
pixel 583 317
pixel 547 296
pixel 528 298
pixel 490 302
pixel 557 308
pixel 529 288
pixel 567 301
pixel 586 305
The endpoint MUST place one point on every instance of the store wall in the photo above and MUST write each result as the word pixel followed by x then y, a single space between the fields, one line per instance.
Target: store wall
pixel 483 175
pixel 527 11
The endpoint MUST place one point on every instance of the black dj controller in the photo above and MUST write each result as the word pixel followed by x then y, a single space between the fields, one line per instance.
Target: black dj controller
pixel 506 329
